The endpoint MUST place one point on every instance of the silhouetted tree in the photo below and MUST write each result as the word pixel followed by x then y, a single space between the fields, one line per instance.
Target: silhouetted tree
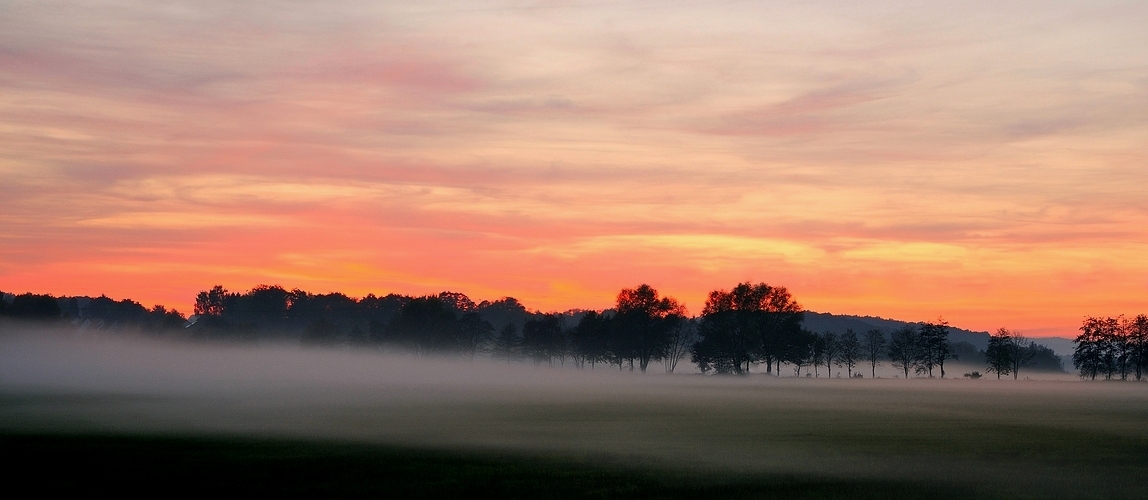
pixel 476 333
pixel 904 348
pixel 425 324
pixel 591 337
pixel 731 321
pixel 645 319
pixel 1138 339
pixel 680 340
pixel 507 343
pixel 798 349
pixel 542 337
pixel 306 307
pixel 459 301
pixel 781 324
pixel 1020 353
pixel 997 354
pixel 933 338
pixel 31 306
pixel 563 345
pixel 210 303
pixel 873 344
pixel 831 348
pixel 506 310
pixel 716 349
pixel 1122 348
pixel 729 328
pixel 850 351
pixel 263 305
pixel 378 312
pixel 1093 353
pixel 817 355
pixel 160 319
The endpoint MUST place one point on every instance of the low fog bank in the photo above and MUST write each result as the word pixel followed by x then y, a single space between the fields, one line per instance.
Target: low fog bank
pixel 66 361
pixel 69 362
pixel 53 382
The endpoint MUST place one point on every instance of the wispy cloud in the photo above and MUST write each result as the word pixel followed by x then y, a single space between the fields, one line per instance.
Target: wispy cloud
pixel 875 158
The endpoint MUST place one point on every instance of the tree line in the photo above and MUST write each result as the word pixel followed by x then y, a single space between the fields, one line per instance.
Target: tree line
pixel 98 313
pixel 1112 348
pixel 748 325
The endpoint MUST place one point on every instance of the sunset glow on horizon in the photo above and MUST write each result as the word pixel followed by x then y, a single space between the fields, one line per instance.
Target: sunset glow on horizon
pixel 982 162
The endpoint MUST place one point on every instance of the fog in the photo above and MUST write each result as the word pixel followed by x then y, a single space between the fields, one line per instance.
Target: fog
pixel 54 382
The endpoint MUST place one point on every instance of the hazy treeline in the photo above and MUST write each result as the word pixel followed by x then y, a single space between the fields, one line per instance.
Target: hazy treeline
pixel 1112 348
pixel 1009 351
pixel 99 313
pixel 751 324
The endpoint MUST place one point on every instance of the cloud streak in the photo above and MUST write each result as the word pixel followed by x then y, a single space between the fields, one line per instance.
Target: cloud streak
pixel 983 164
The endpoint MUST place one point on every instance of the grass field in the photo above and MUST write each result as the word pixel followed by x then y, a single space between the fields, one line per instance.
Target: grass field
pixel 119 415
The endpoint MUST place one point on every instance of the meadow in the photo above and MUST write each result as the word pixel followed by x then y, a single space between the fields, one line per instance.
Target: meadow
pixel 123 413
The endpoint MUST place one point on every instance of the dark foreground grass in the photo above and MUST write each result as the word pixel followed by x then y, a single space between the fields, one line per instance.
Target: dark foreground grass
pixel 162 465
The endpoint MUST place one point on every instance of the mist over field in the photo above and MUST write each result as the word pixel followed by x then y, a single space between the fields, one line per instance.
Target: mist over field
pixel 606 249
pixel 1024 437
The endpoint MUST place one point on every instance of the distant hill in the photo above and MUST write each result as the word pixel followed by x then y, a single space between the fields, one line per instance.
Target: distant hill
pixel 820 322
pixel 1060 345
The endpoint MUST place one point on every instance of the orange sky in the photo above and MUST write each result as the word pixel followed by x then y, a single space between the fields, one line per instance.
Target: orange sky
pixel 982 162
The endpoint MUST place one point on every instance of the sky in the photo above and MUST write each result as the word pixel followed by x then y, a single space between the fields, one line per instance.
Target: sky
pixel 981 161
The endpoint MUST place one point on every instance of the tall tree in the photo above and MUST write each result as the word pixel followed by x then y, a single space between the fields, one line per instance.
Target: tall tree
pixel 1020 353
pixel 934 347
pixel 729 328
pixel 680 340
pixel 1138 338
pixel 873 345
pixel 591 337
pixel 210 302
pixel 506 310
pixel 718 348
pixel 817 355
pixel 458 301
pixel 645 318
pixel 751 322
pixel 1120 339
pixel 998 354
pixel 850 351
pixel 799 350
pixel 1092 350
pixel 830 348
pixel 782 318
pixel 161 319
pixel 264 306
pixel 904 348
pixel 542 337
